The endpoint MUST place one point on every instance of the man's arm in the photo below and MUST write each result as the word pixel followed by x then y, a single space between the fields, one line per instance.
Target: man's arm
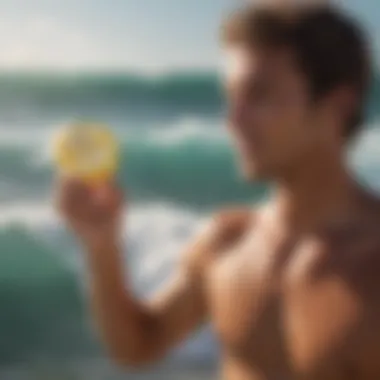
pixel 139 332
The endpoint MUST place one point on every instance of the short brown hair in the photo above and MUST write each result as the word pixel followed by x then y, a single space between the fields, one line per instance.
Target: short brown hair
pixel 330 47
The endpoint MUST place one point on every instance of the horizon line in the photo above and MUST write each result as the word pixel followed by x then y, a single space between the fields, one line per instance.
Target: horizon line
pixel 111 71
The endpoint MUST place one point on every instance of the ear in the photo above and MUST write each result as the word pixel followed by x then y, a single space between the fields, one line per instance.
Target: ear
pixel 343 103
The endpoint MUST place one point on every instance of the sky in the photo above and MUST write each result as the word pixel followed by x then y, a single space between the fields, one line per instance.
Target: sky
pixel 137 35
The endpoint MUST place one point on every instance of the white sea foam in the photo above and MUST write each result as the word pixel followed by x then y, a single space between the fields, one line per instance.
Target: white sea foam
pixel 367 150
pixel 365 157
pixel 23 137
pixel 153 233
pixel 27 214
pixel 185 129
pixel 178 130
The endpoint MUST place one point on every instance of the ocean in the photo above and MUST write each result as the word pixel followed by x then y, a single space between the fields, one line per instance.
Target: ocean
pixel 178 167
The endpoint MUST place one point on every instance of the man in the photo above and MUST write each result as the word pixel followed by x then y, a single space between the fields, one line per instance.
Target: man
pixel 291 288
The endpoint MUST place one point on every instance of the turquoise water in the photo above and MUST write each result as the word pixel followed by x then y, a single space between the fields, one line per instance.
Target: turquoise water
pixel 178 165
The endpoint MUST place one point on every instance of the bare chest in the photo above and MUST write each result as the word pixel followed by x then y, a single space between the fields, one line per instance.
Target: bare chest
pixel 290 309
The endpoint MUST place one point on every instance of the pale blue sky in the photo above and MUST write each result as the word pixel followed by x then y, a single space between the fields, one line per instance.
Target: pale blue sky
pixel 152 35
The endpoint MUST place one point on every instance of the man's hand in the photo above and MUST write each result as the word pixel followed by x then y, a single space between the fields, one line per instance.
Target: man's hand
pixel 93 214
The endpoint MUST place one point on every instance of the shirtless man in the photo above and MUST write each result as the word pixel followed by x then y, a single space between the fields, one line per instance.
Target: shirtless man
pixel 292 288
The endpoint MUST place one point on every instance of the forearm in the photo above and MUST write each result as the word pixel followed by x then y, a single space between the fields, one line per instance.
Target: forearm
pixel 135 333
pixel 129 330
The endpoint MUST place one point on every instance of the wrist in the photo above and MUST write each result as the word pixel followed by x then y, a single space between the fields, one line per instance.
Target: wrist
pixel 104 259
pixel 102 244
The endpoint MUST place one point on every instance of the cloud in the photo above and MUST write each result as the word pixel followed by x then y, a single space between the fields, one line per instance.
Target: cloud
pixel 47 42
pixel 90 36
pixel 43 41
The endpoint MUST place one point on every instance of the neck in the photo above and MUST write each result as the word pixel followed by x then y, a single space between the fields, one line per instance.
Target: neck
pixel 319 192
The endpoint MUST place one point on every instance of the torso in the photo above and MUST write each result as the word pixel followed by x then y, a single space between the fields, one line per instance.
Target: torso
pixel 302 309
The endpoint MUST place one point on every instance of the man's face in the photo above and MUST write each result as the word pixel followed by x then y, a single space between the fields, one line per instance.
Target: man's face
pixel 273 122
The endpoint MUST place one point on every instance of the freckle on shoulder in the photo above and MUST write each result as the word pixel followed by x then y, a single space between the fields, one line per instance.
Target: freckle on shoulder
pixel 222 230
pixel 234 221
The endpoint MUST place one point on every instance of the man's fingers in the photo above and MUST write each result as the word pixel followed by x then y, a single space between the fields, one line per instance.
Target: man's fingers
pixel 71 195
pixel 88 206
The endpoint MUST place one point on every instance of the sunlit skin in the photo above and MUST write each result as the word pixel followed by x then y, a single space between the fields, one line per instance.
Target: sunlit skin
pixel 291 287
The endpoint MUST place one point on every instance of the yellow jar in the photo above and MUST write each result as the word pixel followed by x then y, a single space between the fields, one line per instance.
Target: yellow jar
pixel 87 151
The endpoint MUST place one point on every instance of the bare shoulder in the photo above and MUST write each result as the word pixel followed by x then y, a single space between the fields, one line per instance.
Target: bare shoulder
pixel 221 231
pixel 352 250
pixel 229 224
